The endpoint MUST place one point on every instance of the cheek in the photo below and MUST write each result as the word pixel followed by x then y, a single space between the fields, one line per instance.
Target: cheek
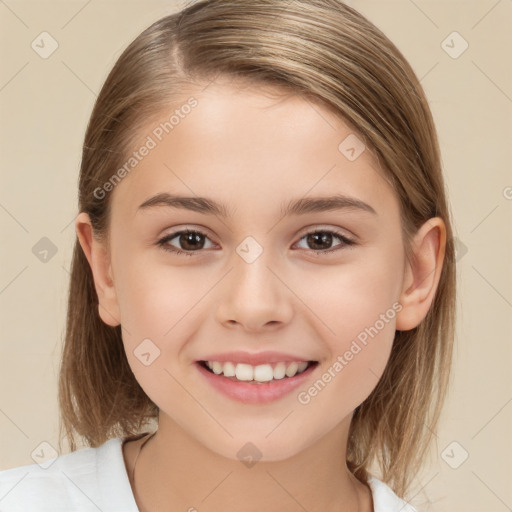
pixel 153 296
pixel 357 304
pixel 349 298
pixel 156 303
pixel 361 332
pixel 160 311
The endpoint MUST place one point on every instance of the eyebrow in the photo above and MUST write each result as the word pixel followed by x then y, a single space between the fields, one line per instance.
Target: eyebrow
pixel 301 206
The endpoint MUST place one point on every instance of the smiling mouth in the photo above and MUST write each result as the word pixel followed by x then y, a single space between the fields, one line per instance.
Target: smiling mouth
pixel 260 374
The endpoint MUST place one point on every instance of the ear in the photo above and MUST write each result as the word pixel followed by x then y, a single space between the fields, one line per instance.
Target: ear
pixel 98 256
pixel 422 274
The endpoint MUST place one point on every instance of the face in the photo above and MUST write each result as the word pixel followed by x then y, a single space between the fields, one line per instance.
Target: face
pixel 319 284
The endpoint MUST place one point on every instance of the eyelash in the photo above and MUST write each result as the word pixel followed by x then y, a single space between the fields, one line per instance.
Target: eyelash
pixel 166 247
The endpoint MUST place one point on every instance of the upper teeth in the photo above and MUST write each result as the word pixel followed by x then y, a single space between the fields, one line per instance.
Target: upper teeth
pixel 261 373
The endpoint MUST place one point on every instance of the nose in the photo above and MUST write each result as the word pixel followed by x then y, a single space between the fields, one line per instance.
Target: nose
pixel 254 297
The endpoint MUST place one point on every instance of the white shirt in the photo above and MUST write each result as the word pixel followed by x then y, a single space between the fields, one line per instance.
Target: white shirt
pixel 96 480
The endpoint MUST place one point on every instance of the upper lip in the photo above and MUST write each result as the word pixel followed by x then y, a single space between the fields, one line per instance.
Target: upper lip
pixel 254 359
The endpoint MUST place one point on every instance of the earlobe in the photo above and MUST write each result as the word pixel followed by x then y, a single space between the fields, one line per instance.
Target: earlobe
pixel 422 274
pixel 99 260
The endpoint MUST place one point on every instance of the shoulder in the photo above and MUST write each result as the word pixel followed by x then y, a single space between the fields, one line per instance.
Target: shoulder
pixel 385 500
pixel 87 479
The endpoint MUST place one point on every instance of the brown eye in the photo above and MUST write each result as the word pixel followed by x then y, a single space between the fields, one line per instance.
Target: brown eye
pixel 188 242
pixel 191 241
pixel 321 241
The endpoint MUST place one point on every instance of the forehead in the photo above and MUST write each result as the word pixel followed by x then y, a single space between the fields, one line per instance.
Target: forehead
pixel 250 147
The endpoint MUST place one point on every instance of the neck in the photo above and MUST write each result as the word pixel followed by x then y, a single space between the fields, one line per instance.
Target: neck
pixel 175 472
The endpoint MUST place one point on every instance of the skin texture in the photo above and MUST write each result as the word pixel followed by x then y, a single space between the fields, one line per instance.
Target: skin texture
pixel 254 152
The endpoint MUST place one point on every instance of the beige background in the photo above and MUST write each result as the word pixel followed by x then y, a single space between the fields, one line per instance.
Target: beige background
pixel 45 105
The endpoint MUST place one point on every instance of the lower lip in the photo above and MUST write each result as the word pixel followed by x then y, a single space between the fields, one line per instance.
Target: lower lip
pixel 252 393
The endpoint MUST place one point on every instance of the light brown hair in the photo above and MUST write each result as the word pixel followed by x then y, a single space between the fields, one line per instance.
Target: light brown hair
pixel 327 52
